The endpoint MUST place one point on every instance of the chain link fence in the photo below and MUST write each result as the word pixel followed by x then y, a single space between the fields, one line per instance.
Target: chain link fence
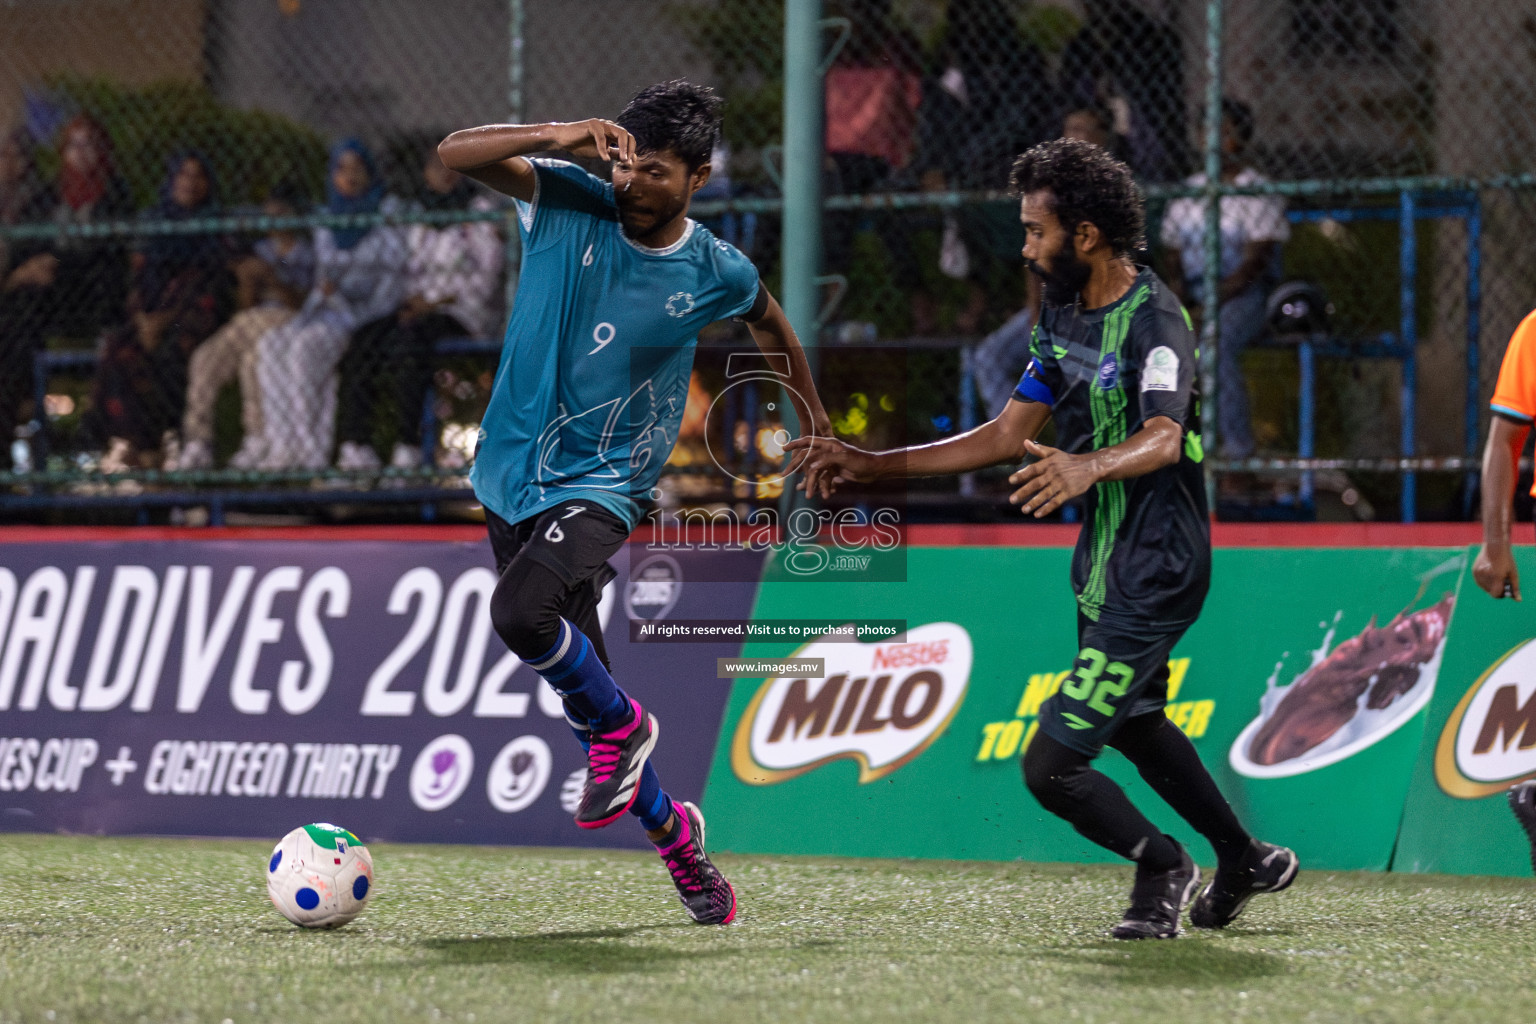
pixel 169 343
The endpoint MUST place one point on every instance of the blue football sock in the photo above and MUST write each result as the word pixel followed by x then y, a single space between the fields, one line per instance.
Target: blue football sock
pixel 652 804
pixel 578 675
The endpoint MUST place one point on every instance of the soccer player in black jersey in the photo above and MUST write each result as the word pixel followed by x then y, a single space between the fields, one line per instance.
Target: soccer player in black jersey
pixel 1113 361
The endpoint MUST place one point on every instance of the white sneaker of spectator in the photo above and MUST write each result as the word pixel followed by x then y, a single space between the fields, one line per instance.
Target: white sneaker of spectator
pixel 118 457
pixel 253 450
pixel 121 458
pixel 405 456
pixel 357 458
pixel 194 455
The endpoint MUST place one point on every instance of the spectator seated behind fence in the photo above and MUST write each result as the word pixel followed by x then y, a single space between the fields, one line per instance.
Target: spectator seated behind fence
pixel 67 286
pixel 179 293
pixel 359 277
pixel 1252 228
pixel 1095 125
pixel 872 94
pixel 23 199
pixel 452 272
pixel 273 281
pixel 988 97
pixel 1132 64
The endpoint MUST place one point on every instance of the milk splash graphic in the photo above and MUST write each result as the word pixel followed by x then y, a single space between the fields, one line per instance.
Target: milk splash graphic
pixel 1400 687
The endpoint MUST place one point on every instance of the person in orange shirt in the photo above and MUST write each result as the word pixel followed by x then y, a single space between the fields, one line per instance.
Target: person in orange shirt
pixel 1514 409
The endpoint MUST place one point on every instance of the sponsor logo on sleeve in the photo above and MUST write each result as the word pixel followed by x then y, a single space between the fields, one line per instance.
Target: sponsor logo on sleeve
pixel 879 705
pixel 1161 371
pixel 1489 742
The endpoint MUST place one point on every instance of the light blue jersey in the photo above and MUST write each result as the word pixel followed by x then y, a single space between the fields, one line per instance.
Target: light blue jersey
pixel 594 369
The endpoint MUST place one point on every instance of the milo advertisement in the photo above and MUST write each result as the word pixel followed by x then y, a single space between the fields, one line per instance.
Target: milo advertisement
pixel 876 755
pixel 1304 687
pixel 1480 741
pixel 1333 683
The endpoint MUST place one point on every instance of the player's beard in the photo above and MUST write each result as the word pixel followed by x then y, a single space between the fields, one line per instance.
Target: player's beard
pixel 1066 277
pixel 641 223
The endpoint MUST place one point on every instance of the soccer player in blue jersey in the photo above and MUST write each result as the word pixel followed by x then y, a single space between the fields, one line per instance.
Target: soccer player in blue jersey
pixel 616 283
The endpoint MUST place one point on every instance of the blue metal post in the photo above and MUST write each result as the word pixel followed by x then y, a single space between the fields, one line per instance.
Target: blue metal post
pixel 1409 339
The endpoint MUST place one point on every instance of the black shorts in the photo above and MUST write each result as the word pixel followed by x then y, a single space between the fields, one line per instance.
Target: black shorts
pixel 1117 675
pixel 574 540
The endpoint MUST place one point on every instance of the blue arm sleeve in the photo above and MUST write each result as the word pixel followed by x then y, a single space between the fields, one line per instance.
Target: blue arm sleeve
pixel 1032 387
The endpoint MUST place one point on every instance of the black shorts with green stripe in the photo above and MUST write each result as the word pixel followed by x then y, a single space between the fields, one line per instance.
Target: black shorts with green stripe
pixel 1117 675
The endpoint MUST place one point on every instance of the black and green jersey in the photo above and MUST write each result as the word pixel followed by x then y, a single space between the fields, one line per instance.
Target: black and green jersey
pixel 1143 559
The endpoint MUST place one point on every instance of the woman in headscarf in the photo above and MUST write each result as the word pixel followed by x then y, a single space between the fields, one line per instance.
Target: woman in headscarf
pixel 91 280
pixel 23 196
pixel 23 199
pixel 359 277
pixel 179 294
pixel 451 283
pixel 67 285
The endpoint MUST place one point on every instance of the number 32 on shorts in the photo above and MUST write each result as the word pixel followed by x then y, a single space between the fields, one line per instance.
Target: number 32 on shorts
pixel 1097 681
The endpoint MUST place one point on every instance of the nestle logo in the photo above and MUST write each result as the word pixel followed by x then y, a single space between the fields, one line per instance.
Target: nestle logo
pixel 909 655
pixel 880 705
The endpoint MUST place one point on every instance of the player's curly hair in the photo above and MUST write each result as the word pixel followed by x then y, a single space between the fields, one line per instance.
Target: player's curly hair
pixel 1087 184
pixel 677 116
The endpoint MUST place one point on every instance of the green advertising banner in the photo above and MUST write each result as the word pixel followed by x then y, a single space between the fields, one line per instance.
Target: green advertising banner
pixel 1480 740
pixel 1303 686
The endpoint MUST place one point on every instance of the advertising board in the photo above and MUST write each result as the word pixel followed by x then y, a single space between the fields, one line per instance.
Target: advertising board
pixel 1303 686
pixel 243 686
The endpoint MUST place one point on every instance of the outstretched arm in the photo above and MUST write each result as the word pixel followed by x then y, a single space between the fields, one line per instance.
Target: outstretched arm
pixel 774 335
pixel 495 154
pixel 1003 439
pixel 1495 564
pixel 1058 477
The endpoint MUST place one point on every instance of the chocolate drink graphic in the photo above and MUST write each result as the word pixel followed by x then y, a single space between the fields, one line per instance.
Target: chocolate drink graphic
pixel 1382 663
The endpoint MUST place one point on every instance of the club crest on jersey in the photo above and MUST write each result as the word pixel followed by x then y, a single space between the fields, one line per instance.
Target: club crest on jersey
pixel 680 304
pixel 1109 372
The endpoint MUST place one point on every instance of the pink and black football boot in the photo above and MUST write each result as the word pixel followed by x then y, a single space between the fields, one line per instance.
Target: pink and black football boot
pixel 706 895
pixel 614 762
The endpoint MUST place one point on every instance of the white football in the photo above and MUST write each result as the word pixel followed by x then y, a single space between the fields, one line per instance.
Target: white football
pixel 320 876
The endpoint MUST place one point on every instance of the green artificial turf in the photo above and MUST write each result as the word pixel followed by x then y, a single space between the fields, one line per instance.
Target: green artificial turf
pixel 168 930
